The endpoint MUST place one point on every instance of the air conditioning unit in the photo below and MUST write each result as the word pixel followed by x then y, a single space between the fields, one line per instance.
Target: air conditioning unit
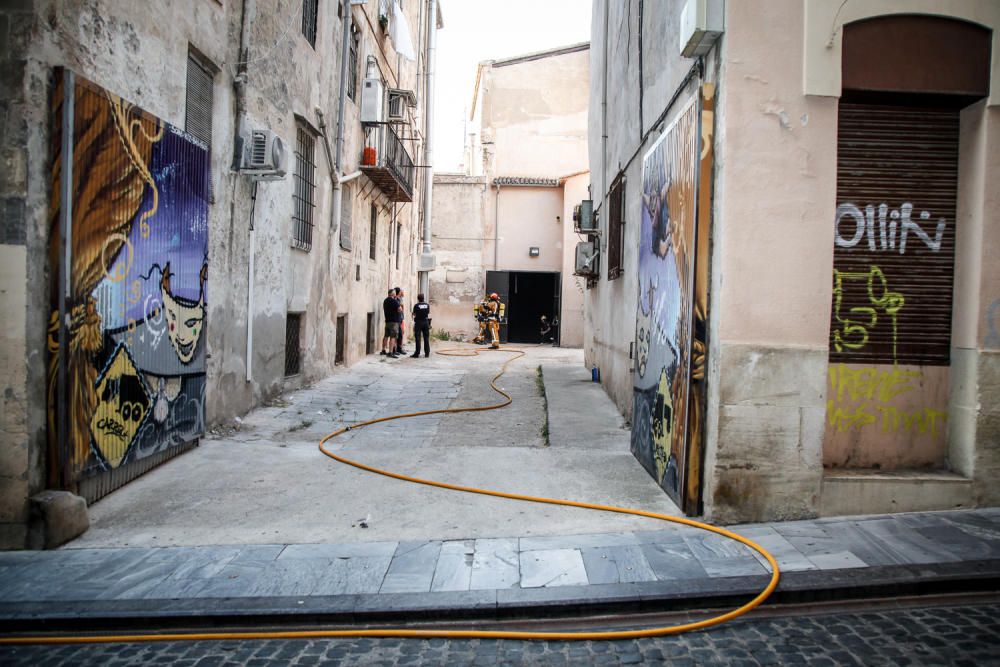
pixel 372 102
pixel 584 221
pixel 263 155
pixel 588 256
pixel 397 102
pixel 701 24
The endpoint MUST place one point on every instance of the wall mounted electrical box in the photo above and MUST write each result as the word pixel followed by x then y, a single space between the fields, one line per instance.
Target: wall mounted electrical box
pixel 701 25
pixel 372 101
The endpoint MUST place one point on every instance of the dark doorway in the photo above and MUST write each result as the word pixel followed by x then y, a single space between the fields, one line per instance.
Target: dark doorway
pixel 528 296
pixel 341 339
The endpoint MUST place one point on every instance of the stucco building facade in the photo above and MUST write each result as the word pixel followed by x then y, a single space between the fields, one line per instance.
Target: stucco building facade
pixel 805 322
pixel 505 224
pixel 196 282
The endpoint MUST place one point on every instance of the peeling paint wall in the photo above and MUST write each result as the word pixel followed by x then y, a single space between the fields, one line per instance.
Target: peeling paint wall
pixel 139 51
pixel 772 235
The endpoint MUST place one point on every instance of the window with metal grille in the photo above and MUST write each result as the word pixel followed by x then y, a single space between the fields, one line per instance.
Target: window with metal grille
pixel 352 75
pixel 616 227
pixel 346 214
pixel 310 9
pixel 293 344
pixel 304 193
pixel 373 232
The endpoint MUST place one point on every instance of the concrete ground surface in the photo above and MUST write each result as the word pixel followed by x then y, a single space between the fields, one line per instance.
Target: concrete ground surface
pixel 267 482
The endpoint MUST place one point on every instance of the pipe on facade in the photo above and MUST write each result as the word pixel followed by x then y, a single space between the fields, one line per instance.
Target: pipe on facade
pixel 240 85
pixel 341 112
pixel 424 277
pixel 604 109
pixel 496 229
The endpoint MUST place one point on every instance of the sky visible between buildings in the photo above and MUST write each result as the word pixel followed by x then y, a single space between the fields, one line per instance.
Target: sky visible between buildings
pixel 477 30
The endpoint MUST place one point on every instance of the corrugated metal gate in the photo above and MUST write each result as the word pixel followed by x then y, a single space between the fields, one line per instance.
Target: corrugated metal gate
pixel 128 249
pixel 894 255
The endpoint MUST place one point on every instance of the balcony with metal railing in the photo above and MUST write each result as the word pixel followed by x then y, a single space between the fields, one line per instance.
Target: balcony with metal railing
pixel 385 161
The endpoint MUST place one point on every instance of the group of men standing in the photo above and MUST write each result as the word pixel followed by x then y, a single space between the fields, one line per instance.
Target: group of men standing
pixel 395 322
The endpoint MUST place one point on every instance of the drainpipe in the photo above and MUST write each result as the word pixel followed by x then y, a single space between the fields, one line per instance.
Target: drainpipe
pixel 604 111
pixel 240 85
pixel 426 259
pixel 338 180
pixel 496 230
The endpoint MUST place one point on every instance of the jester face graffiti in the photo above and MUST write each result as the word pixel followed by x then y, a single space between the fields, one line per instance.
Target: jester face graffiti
pixel 185 318
pixel 122 406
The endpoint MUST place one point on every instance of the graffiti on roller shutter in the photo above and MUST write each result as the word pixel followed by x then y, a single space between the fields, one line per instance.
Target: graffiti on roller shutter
pixel 889 231
pixel 893 400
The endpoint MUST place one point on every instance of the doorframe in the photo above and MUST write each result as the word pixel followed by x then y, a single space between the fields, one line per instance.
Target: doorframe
pixel 557 296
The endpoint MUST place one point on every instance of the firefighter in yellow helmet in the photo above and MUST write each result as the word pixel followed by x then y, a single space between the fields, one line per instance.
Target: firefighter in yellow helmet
pixel 494 313
pixel 489 312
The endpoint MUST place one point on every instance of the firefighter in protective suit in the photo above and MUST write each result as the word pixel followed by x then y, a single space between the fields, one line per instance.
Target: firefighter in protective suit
pixel 489 313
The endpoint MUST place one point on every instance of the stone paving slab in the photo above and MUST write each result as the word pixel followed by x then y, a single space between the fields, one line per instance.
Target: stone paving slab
pixel 669 564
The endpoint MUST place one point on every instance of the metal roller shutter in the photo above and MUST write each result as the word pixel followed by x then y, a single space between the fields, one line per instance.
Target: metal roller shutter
pixel 897 180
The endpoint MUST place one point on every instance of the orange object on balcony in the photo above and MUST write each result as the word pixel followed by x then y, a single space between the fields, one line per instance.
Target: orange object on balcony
pixel 369 157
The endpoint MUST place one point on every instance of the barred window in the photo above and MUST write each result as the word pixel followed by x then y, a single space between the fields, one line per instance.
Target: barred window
pixel 304 195
pixel 293 343
pixel 310 9
pixel 373 233
pixel 352 75
pixel 616 227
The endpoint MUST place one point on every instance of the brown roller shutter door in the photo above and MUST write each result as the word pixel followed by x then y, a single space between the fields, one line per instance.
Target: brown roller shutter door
pixel 897 180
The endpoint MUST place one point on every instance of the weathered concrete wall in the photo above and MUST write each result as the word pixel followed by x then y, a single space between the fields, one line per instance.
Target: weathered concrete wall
pixel 774 197
pixel 770 318
pixel 530 217
pixel 610 306
pixel 571 299
pixel 140 51
pixel 459 227
pixel 535 113
pixel 531 118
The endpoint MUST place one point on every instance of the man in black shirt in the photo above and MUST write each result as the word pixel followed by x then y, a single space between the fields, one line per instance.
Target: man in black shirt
pixel 402 322
pixel 393 313
pixel 421 326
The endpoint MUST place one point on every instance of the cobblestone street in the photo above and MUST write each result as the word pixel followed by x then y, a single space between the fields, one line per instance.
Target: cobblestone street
pixel 955 635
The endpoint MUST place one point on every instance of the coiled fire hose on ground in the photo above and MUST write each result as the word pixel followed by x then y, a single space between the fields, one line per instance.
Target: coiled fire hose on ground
pixel 453 634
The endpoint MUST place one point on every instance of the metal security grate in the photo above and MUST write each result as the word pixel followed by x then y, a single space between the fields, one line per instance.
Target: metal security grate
pixel 293 344
pixel 304 195
pixel 894 253
pixel 310 9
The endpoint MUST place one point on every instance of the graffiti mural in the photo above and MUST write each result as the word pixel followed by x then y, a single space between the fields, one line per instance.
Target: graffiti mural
pixel 664 315
pixel 134 358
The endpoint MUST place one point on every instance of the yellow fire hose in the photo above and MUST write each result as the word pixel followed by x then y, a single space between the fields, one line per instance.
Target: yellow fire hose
pixel 454 634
